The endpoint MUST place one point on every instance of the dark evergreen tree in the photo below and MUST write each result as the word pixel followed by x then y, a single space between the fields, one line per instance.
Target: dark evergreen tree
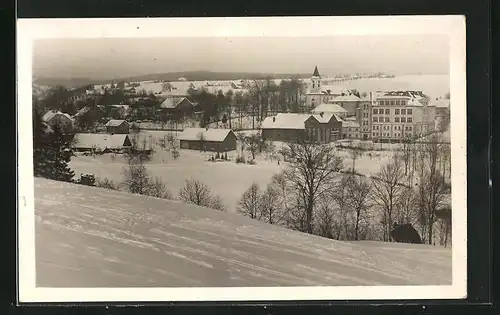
pixel 59 155
pixel 40 146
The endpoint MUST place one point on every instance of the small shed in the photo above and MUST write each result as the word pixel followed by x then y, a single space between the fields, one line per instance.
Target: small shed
pixel 406 233
pixel 116 126
pixel 100 142
pixel 215 140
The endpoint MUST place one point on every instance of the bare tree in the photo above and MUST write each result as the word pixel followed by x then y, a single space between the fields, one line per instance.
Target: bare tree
pixel 253 144
pixel 355 153
pixel 250 202
pixel 358 190
pixel 311 173
pixel 339 197
pixel 136 176
pixel 271 208
pixel 196 192
pixel 325 222
pixel 387 187
pixel 406 208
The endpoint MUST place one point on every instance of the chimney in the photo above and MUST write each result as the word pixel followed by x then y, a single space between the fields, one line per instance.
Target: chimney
pixel 274 119
pixel 371 97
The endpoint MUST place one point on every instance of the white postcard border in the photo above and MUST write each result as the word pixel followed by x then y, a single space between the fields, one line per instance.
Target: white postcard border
pixel 31 29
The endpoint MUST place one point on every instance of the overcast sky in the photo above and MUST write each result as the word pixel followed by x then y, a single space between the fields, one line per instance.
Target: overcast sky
pixel 114 58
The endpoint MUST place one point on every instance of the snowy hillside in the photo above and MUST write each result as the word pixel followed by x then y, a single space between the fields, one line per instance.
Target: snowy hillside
pixel 91 237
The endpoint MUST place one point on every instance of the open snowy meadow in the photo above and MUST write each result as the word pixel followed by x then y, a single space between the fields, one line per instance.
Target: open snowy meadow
pixel 227 179
pixel 92 237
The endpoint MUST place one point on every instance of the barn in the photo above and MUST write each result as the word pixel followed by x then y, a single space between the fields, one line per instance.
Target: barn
pixel 215 140
pixel 100 142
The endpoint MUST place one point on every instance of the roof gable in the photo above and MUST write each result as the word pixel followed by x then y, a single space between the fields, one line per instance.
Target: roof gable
pixel 213 135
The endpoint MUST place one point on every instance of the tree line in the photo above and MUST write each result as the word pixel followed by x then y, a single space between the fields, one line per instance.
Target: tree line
pixel 313 196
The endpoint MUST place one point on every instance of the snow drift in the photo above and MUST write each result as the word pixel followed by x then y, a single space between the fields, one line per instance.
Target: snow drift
pixel 92 237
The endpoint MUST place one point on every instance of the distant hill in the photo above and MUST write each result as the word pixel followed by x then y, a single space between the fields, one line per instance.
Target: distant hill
pixel 169 76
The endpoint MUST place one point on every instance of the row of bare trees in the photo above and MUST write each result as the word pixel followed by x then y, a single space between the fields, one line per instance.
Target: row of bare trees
pixel 312 195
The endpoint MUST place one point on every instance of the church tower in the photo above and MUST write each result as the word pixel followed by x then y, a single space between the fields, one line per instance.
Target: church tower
pixel 316 81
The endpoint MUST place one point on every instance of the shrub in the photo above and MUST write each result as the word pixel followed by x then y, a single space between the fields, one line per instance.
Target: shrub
pixel 86 179
pixel 106 183
pixel 252 162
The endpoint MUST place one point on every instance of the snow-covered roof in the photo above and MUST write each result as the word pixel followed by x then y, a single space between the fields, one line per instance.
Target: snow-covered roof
pixel 53 113
pixel 173 102
pixel 285 121
pixel 115 122
pixel 440 103
pixel 99 141
pixel 347 98
pixel 194 134
pixel 294 121
pixel 350 124
pixel 125 107
pixel 329 108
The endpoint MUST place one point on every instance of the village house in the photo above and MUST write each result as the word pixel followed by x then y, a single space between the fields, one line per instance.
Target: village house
pixel 320 128
pixel 214 140
pixel 55 118
pixel 96 112
pixel 179 107
pixel 98 142
pixel 115 126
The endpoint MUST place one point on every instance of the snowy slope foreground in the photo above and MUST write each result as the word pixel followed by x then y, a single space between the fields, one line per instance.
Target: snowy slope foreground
pixel 91 237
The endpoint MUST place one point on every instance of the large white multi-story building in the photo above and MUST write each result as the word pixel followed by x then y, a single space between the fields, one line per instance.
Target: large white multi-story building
pixel 400 115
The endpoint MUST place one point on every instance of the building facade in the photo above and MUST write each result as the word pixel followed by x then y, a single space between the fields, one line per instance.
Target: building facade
pixel 117 127
pixel 214 140
pixel 319 128
pixel 401 116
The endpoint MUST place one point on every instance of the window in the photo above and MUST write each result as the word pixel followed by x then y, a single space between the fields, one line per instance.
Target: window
pixel 375 119
pixel 403 102
pixel 398 102
pixel 378 127
pixel 375 111
pixel 408 112
pixel 396 111
pixel 387 111
pixel 374 127
pixel 410 128
pixel 382 102
pixel 403 112
pixel 403 119
pixel 409 119
pixel 392 102
pixel 396 119
pixel 387 119
pixel 349 135
pixel 313 84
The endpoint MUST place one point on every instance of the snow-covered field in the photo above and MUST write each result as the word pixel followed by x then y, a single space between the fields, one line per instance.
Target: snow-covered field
pixel 92 237
pixel 226 179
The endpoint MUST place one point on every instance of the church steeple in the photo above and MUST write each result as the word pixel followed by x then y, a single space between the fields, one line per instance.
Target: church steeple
pixel 316 81
pixel 316 72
